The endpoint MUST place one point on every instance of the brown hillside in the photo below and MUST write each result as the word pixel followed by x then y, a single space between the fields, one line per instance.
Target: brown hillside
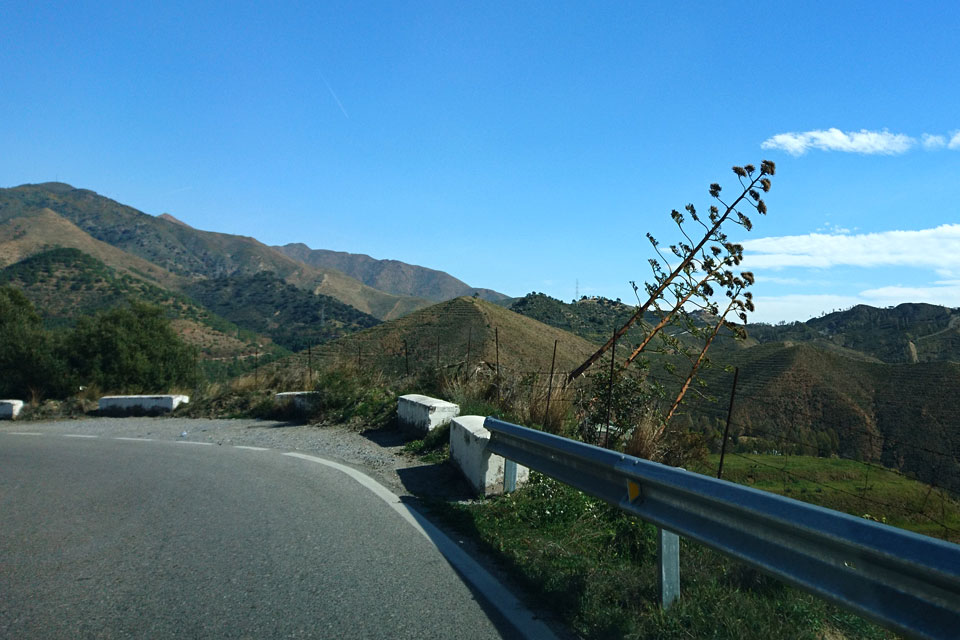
pixel 466 329
pixel 37 231
pixel 391 276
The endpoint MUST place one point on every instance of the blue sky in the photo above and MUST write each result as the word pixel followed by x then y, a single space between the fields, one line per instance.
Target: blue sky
pixel 518 146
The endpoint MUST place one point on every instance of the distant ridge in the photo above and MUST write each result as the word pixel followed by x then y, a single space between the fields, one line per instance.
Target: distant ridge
pixel 392 276
pixel 176 251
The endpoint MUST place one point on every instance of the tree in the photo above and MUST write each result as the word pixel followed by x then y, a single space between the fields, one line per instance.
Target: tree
pixel 28 368
pixel 686 278
pixel 131 349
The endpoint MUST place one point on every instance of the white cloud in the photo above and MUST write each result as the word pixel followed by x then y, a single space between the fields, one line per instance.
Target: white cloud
pixel 805 306
pixel 937 248
pixel 947 296
pixel 798 306
pixel 793 282
pixel 833 139
pixel 954 141
pixel 933 142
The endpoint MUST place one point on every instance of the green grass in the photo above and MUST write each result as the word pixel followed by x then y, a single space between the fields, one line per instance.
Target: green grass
pixel 434 448
pixel 852 487
pixel 595 568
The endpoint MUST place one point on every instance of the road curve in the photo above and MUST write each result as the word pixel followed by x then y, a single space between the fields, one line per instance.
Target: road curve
pixel 109 537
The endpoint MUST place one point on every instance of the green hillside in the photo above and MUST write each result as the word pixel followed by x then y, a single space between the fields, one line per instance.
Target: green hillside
pixel 591 318
pixel 839 385
pixel 799 399
pixel 291 317
pixel 907 333
pixel 67 284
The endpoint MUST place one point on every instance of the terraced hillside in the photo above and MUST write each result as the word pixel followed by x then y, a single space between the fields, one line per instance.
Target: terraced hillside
pixel 291 317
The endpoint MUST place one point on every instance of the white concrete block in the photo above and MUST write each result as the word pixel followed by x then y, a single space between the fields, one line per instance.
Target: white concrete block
pixel 300 399
pixel 424 414
pixel 10 409
pixel 141 403
pixel 482 469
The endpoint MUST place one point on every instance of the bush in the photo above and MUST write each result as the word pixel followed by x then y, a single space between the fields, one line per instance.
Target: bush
pixel 345 394
pixel 29 368
pixel 131 349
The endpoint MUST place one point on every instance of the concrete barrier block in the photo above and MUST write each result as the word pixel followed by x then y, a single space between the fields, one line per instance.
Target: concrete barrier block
pixel 423 414
pixel 299 399
pixel 482 469
pixel 10 409
pixel 145 404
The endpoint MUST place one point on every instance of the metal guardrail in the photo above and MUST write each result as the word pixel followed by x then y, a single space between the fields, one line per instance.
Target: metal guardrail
pixel 902 580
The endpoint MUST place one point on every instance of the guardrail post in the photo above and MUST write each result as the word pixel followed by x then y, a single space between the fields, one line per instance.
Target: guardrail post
pixel 509 476
pixel 668 557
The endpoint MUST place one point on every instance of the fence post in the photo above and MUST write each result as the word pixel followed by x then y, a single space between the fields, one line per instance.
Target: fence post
pixel 310 364
pixel 668 559
pixel 509 476
pixel 546 413
pixel 606 426
pixel 496 333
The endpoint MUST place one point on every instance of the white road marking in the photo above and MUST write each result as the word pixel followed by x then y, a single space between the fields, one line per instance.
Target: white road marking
pixel 24 433
pixel 496 593
pixel 134 439
pixel 78 435
pixel 207 444
pixel 240 446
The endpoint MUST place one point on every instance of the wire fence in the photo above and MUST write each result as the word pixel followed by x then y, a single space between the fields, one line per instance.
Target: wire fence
pixel 764 421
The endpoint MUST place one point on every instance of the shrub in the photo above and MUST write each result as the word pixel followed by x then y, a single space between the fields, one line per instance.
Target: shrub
pixel 131 349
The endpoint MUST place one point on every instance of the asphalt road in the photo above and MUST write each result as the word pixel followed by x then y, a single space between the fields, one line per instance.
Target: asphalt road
pixel 113 538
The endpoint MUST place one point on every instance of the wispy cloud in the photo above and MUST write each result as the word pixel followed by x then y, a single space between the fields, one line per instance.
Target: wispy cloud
pixel 833 139
pixel 937 248
pixel 954 141
pixel 933 142
pixel 799 306
pixel 333 95
pixel 793 282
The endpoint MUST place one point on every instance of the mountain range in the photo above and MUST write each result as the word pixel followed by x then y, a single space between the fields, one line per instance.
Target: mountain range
pixel 392 276
pixel 164 254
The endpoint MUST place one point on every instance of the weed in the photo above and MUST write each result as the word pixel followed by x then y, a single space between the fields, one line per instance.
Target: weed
pixel 434 448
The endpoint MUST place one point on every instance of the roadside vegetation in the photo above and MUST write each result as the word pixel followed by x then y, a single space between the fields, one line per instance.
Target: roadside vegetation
pixel 595 568
pixel 130 349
